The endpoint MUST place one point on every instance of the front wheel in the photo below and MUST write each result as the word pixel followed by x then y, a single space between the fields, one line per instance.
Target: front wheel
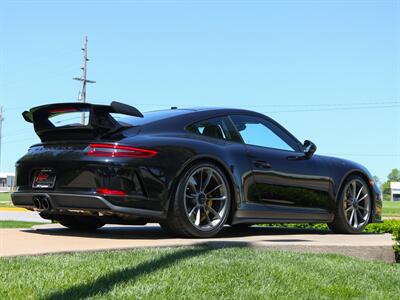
pixel 353 209
pixel 81 223
pixel 201 204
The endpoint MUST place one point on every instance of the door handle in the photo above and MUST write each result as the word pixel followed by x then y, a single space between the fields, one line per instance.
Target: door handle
pixel 261 164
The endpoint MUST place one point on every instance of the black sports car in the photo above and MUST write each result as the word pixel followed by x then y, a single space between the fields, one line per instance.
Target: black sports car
pixel 191 170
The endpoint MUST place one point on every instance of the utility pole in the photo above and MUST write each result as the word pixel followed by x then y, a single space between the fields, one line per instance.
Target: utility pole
pixel 1 125
pixel 83 78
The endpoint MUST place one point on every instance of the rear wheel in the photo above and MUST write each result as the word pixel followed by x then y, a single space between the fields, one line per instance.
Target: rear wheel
pixel 353 208
pixel 201 204
pixel 81 223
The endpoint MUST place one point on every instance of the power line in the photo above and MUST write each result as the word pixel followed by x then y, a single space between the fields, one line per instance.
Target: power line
pixel 332 109
pixel 322 109
pixel 327 104
pixel 361 154
pixel 261 105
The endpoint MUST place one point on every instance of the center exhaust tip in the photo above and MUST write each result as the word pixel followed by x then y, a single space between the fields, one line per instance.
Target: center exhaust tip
pixel 46 203
pixel 37 203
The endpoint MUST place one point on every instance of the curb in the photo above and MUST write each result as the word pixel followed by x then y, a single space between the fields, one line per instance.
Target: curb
pixel 14 209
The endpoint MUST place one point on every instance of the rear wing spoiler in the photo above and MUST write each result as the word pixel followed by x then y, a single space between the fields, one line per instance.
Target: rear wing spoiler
pixel 100 120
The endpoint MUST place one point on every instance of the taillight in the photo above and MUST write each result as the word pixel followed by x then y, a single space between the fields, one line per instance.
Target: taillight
pixel 113 150
pixel 108 192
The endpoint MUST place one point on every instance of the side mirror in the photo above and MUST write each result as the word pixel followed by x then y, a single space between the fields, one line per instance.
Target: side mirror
pixel 309 149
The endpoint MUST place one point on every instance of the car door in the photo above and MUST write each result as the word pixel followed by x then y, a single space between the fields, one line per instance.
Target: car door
pixel 286 185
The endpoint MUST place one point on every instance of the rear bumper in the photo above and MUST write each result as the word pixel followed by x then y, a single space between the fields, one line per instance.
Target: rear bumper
pixel 80 203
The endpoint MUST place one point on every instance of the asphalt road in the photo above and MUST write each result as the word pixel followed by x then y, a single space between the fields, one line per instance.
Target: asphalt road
pixel 53 238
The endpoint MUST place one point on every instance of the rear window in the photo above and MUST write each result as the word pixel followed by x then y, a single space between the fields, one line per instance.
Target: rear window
pixel 149 117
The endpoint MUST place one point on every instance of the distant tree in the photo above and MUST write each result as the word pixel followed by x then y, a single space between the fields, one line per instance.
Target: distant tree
pixel 386 188
pixel 394 175
pixel 377 180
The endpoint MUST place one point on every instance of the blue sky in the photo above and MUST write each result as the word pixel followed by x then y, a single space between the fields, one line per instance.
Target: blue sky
pixel 328 71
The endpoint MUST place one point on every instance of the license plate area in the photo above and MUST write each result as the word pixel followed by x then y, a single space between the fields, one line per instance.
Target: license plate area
pixel 44 179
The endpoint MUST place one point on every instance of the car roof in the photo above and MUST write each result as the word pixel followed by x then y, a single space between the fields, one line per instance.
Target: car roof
pixel 192 110
pixel 176 119
pixel 186 114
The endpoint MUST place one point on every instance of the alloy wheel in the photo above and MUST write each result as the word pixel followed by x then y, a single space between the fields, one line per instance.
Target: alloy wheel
pixel 357 203
pixel 206 198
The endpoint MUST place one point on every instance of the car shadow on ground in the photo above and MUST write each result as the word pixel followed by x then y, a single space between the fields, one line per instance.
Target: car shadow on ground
pixel 154 232
pixel 106 283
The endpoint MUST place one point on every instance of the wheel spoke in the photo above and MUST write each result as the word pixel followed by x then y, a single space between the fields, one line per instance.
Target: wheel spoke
pixel 208 218
pixel 355 219
pixel 192 211
pixel 349 208
pixel 354 189
pixel 197 221
pixel 201 180
pixel 359 192
pixel 362 198
pixel 217 198
pixel 214 212
pixel 214 189
pixel 351 217
pixel 361 215
pixel 192 182
pixel 364 209
pixel 207 181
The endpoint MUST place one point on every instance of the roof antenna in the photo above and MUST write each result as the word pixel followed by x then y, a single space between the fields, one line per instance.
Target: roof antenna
pixel 83 78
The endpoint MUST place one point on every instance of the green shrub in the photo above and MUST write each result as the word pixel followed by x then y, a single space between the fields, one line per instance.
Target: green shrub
pixel 387 226
pixel 396 246
pixel 318 226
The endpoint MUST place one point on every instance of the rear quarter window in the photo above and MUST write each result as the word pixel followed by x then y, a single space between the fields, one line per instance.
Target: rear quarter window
pixel 218 128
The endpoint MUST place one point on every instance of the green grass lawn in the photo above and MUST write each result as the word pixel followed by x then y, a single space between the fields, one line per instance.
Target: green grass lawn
pixel 196 273
pixel 391 208
pixel 5 200
pixel 17 224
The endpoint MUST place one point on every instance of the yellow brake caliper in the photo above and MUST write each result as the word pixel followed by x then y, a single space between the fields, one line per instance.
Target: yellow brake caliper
pixel 209 204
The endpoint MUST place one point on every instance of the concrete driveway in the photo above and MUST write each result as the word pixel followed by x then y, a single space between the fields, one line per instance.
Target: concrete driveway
pixel 53 238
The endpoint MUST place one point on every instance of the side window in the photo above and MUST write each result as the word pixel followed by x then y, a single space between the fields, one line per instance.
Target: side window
pixel 218 128
pixel 255 131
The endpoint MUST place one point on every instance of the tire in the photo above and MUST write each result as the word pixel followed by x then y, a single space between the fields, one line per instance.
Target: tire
pixel 81 223
pixel 201 203
pixel 353 208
